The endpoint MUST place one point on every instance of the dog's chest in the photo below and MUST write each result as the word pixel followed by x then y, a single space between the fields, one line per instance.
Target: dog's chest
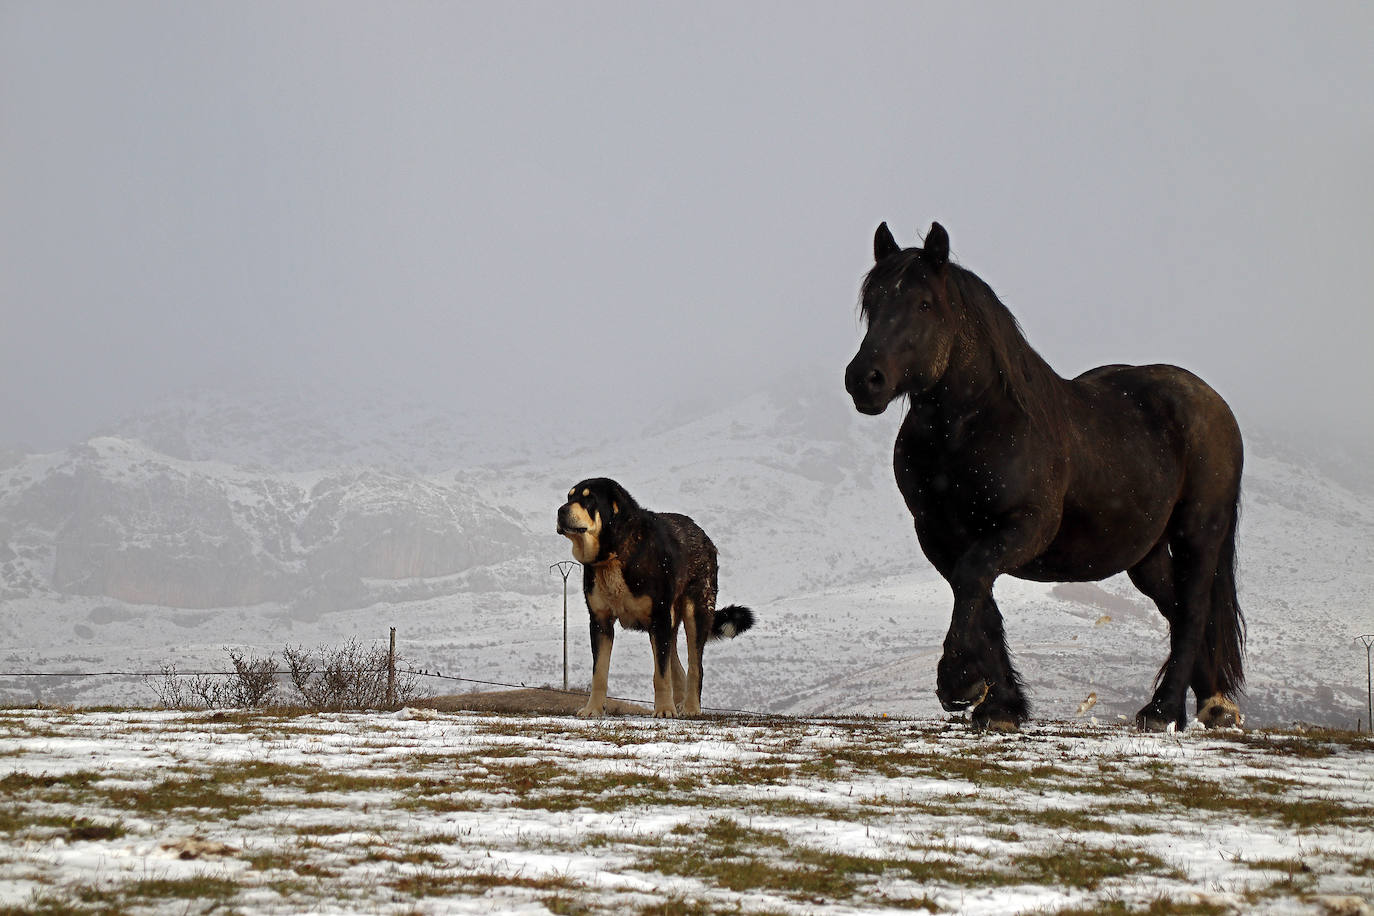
pixel 611 597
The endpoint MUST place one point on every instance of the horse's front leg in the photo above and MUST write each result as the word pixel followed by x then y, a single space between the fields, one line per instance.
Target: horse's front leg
pixel 976 668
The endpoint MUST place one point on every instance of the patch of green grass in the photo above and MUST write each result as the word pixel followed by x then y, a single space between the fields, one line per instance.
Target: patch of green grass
pixel 561 905
pixel 740 858
pixel 27 784
pixel 1168 789
pixel 199 887
pixel 1084 866
pixel 295 858
pixel 163 797
pixel 436 882
pixel 70 902
pixel 1288 866
pixel 1160 906
pixel 313 830
pixel 410 855
pixel 1065 820
pixel 83 828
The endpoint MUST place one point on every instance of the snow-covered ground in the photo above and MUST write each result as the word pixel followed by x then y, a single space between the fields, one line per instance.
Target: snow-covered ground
pixel 427 812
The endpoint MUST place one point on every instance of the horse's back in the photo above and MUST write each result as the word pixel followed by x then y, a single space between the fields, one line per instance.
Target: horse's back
pixel 1173 410
pixel 1169 398
pixel 1144 442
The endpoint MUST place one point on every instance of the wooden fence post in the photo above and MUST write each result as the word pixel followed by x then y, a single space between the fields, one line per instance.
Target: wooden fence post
pixel 391 671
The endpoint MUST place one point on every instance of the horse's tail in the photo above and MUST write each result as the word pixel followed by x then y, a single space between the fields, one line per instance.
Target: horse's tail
pixel 731 621
pixel 1225 634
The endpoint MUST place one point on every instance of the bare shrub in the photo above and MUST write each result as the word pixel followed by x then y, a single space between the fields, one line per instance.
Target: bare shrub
pixel 254 682
pixel 352 676
pixel 169 688
pixel 209 692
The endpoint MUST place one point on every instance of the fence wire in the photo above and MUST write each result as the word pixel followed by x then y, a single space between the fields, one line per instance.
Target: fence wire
pixel 173 672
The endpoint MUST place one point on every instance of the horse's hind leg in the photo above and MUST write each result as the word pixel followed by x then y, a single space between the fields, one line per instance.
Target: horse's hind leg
pixel 1154 576
pixel 1182 589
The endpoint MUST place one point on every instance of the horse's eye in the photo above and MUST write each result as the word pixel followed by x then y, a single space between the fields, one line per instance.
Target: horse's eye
pixel 925 305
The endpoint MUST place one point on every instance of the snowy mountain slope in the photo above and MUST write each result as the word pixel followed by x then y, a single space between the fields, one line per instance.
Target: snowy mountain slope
pixel 116 554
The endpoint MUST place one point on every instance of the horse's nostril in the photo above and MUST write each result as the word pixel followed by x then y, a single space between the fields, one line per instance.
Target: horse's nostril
pixel 875 380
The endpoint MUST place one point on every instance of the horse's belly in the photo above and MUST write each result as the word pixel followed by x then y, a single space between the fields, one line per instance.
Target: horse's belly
pixel 1086 553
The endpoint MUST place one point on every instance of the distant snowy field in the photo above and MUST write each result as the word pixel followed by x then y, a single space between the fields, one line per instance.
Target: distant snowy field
pixel 425 812
pixel 257 526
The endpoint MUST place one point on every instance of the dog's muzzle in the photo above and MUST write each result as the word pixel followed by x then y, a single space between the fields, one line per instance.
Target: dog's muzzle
pixel 565 525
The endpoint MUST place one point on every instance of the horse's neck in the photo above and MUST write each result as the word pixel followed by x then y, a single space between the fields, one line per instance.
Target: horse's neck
pixel 972 381
pixel 973 389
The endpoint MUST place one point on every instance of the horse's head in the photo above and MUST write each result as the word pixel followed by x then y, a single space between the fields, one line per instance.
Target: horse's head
pixel 911 327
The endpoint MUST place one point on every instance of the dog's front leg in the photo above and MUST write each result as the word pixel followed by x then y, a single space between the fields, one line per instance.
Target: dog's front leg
pixel 661 639
pixel 679 676
pixel 694 628
pixel 603 637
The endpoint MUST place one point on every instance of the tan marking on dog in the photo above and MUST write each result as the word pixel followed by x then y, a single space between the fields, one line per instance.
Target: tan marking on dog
pixel 679 677
pixel 611 597
pixel 596 703
pixel 1219 712
pixel 692 704
pixel 663 688
pixel 587 544
pixel 586 492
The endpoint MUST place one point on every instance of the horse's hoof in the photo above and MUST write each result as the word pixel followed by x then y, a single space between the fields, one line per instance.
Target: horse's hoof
pixel 1152 723
pixel 1219 712
pixel 1152 719
pixel 997 723
pixel 974 694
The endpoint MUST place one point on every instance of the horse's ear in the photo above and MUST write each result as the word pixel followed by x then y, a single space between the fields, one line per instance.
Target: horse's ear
pixel 883 243
pixel 936 246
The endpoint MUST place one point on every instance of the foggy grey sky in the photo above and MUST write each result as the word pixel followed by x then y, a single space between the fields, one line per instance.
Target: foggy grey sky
pixel 611 206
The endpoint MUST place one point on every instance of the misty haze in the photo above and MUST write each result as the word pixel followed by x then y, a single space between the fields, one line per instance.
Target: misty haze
pixel 312 314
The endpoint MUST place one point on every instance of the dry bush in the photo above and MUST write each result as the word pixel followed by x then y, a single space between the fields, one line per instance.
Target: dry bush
pixel 170 688
pixel 352 676
pixel 254 683
pixel 328 679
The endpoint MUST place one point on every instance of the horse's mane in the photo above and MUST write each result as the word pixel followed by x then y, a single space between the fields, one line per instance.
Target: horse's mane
pixel 1025 376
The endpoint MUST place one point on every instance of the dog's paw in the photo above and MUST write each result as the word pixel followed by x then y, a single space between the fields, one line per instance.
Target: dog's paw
pixel 591 711
pixel 665 712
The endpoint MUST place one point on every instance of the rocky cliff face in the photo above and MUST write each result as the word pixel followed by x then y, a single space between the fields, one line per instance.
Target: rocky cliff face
pixel 117 519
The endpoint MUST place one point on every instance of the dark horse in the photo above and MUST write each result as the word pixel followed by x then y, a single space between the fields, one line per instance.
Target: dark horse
pixel 1008 468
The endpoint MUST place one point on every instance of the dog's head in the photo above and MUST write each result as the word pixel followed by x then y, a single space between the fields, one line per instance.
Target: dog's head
pixel 591 517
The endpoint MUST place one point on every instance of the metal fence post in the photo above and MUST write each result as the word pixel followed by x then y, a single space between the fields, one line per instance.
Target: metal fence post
pixel 565 568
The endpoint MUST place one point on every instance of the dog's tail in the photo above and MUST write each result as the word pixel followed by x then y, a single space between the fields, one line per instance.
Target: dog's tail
pixel 731 621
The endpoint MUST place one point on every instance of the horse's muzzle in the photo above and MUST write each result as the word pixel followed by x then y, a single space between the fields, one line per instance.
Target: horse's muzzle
pixel 867 385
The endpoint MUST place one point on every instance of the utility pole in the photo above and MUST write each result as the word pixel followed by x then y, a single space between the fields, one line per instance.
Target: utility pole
pixel 565 568
pixel 1368 640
